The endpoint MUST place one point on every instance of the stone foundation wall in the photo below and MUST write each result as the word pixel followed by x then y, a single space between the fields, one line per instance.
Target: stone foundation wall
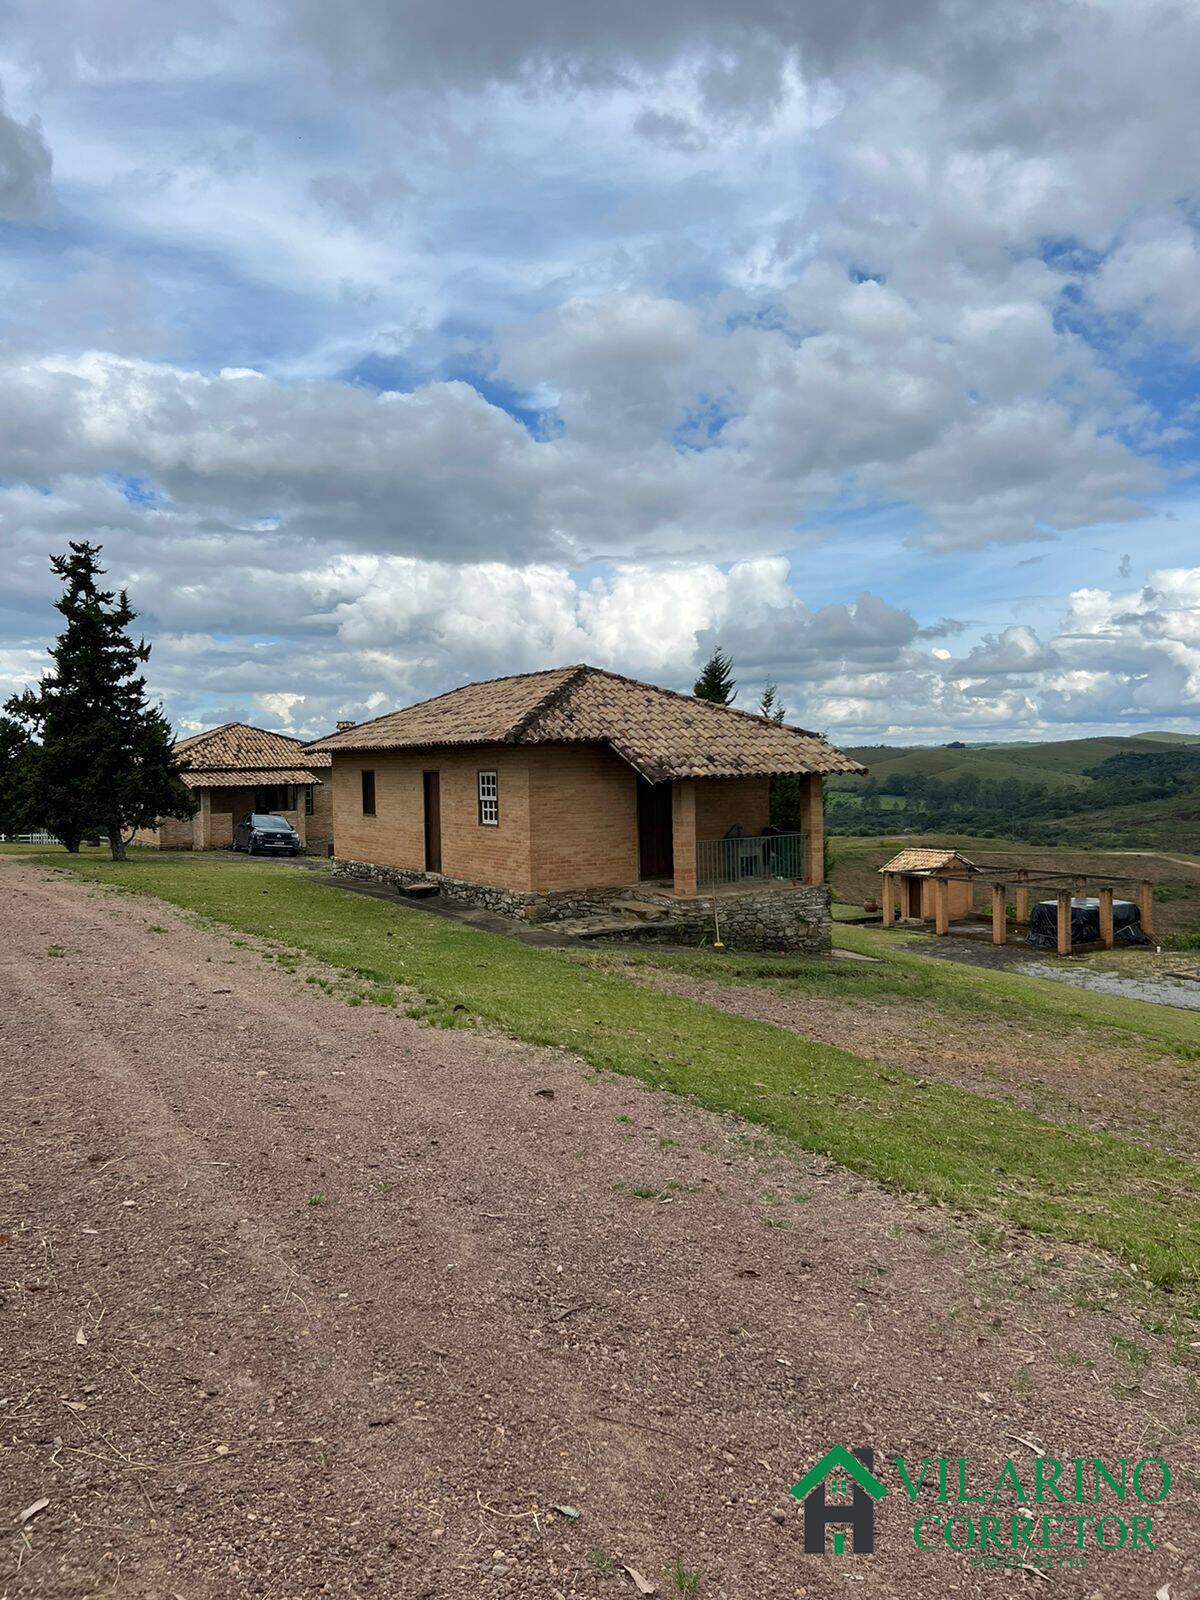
pixel 765 919
pixel 796 920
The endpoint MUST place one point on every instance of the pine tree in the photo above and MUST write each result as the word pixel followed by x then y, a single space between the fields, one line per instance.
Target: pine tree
pixel 771 706
pixel 716 681
pixel 102 757
pixel 14 766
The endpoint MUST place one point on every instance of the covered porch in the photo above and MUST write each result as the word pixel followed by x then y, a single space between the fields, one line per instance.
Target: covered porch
pixel 713 836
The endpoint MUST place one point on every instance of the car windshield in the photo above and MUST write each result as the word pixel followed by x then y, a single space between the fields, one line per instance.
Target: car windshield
pixel 270 824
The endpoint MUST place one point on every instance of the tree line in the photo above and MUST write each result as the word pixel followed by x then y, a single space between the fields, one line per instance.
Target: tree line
pixel 1011 807
pixel 85 754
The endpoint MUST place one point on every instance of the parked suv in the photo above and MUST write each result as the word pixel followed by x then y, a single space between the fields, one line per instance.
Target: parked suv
pixel 260 833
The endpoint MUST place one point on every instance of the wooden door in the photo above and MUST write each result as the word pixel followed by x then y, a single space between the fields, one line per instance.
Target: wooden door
pixel 656 856
pixel 433 821
pixel 915 896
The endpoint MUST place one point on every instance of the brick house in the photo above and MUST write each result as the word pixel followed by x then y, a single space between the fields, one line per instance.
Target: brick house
pixel 548 792
pixel 235 769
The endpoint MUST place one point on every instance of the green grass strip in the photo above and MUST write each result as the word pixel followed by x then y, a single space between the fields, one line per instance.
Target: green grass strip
pixel 972 1152
pixel 897 974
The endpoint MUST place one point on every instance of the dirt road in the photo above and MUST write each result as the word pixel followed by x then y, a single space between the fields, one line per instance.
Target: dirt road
pixel 300 1298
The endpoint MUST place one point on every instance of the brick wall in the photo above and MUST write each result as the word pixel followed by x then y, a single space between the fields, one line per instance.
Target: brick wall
pixel 395 835
pixel 568 814
pixel 722 803
pixel 318 828
pixel 172 833
pixel 583 817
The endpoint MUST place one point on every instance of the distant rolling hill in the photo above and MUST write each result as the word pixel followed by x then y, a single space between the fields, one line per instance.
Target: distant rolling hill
pixel 1145 795
pixel 1061 763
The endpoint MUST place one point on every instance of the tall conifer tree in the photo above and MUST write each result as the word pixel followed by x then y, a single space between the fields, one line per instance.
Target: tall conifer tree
pixel 14 759
pixel 716 682
pixel 102 755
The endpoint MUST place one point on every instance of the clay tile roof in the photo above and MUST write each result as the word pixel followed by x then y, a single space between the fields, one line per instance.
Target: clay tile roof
pixel 919 860
pixel 237 753
pixel 239 777
pixel 660 734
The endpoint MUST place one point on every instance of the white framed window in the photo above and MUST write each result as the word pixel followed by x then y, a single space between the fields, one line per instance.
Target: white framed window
pixel 489 800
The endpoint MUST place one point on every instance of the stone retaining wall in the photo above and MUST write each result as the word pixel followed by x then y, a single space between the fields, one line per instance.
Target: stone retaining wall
pixel 763 919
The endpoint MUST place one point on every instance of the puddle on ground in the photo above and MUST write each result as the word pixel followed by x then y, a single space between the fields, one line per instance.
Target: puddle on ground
pixel 1184 995
pixel 972 949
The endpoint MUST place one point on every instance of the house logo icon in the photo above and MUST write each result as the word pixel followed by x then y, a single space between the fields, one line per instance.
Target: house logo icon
pixel 840 1469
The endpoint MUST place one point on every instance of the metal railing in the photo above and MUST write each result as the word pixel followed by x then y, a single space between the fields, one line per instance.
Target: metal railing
pixel 756 857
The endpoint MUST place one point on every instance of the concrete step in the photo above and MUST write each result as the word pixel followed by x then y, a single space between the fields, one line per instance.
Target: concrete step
pixel 607 928
pixel 643 910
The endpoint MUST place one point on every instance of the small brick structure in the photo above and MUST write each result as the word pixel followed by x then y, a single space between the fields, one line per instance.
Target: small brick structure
pixel 550 795
pixel 237 769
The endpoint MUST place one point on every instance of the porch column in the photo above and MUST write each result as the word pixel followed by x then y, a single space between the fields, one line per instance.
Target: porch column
pixel 1146 908
pixel 889 899
pixel 202 827
pixel 812 825
pixel 1064 922
pixel 1106 918
pixel 683 831
pixel 999 913
pixel 941 905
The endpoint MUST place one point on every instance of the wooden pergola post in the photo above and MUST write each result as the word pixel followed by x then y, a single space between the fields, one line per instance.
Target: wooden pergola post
pixel 1022 897
pixel 1064 922
pixel 1146 907
pixel 889 899
pixel 1106 918
pixel 941 905
pixel 999 913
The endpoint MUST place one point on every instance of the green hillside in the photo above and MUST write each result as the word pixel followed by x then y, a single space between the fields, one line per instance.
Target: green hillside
pixel 1055 763
pixel 1139 792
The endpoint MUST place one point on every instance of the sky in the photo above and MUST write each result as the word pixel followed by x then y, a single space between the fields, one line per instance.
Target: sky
pixel 386 346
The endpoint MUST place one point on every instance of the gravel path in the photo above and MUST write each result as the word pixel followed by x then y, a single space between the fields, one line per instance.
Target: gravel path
pixel 298 1298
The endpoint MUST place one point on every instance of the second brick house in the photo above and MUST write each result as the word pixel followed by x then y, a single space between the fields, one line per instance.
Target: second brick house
pixel 237 768
pixel 535 793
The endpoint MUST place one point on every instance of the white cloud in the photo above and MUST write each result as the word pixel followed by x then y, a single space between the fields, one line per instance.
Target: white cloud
pixel 769 272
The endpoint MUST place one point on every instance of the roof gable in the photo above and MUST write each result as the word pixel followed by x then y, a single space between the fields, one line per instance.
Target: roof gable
pixel 660 733
pixel 237 746
pixel 918 859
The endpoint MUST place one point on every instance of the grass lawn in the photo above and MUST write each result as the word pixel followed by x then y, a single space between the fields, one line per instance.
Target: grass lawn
pixel 896 974
pixel 952 1145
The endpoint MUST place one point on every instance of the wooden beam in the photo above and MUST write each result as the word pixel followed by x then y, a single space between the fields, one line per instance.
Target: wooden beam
pixel 999 913
pixel 1064 922
pixel 1022 903
pixel 1145 898
pixel 1106 918
pixel 889 899
pixel 941 905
